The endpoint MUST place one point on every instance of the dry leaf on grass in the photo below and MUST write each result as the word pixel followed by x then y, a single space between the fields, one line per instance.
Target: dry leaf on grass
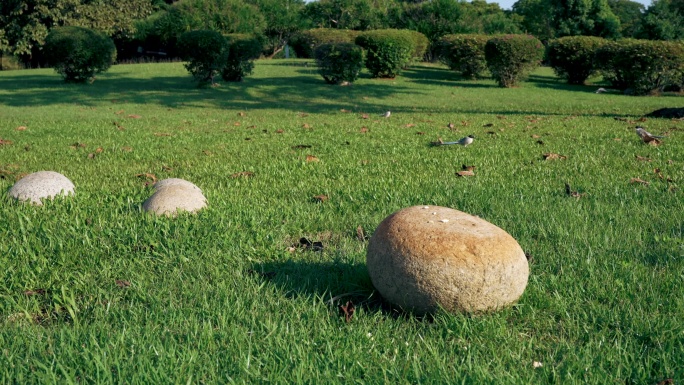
pixel 77 145
pixel 148 178
pixel 126 149
pixel 639 181
pixel 535 136
pixel 30 293
pixel 364 116
pixel 241 113
pixel 122 283
pixel 347 310
pixel 4 142
pixel 242 174
pixel 119 112
pixel 21 128
pixel 410 125
pixel 237 124
pixel 311 158
pixel 279 131
pixel 133 116
pixel 320 198
pixel 306 126
pixel 360 235
pixel 363 130
pixel 553 155
pixel 465 173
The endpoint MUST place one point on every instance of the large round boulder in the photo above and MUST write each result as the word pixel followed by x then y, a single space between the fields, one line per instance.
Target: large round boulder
pixel 423 258
pixel 171 199
pixel 41 185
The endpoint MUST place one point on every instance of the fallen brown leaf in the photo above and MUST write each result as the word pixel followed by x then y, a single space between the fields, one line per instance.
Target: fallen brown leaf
pixel 464 123
pixel 536 136
pixel 119 112
pixel 4 142
pixel 206 152
pixel 133 116
pixel 553 155
pixel 639 181
pixel 306 126
pixel 122 283
pixel 667 381
pixel 21 128
pixel 465 173
pixel 410 125
pixel 279 131
pixel 363 130
pixel 126 149
pixel 148 177
pixel 348 311
pixel 360 235
pixel 242 174
pixel 241 113
pixel 642 158
pixel 311 158
pixel 364 116
pixel 30 293
pixel 320 198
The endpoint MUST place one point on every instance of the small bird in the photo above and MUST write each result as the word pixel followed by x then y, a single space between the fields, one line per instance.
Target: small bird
pixel 601 90
pixel 386 114
pixel 645 135
pixel 450 126
pixel 463 141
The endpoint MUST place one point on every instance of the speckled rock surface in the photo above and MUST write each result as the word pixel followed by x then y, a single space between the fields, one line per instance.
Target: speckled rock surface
pixel 41 185
pixel 174 182
pixel 422 258
pixel 170 199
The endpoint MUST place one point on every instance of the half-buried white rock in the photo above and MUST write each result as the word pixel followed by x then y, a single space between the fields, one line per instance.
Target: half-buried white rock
pixel 174 198
pixel 41 185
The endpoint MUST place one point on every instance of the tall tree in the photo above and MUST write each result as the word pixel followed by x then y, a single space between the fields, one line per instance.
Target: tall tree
pixel 283 20
pixel 344 14
pixel 584 17
pixel 630 14
pixel 537 18
pixel 663 20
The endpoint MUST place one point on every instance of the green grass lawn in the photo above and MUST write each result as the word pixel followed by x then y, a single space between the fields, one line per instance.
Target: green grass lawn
pixel 94 290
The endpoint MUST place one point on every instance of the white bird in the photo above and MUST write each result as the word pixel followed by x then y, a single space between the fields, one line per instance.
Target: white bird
pixel 645 135
pixel 386 114
pixel 463 141
pixel 601 90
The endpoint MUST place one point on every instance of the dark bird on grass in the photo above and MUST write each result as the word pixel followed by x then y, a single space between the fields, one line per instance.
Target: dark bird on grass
pixel 645 135
pixel 463 141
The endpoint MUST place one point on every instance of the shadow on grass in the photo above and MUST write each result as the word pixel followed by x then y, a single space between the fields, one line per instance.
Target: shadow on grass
pixel 335 282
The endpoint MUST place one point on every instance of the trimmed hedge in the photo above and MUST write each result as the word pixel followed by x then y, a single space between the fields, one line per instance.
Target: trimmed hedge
pixel 572 57
pixel 387 51
pixel 510 58
pixel 464 53
pixel 243 49
pixel 640 67
pixel 306 42
pixel 420 42
pixel 206 52
pixel 79 53
pixel 339 62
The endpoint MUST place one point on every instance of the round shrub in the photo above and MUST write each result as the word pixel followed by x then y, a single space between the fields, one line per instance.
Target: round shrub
pixel 339 62
pixel 306 42
pixel 464 53
pixel 572 57
pixel 387 51
pixel 206 53
pixel 243 49
pixel 420 43
pixel 641 67
pixel 79 53
pixel 510 58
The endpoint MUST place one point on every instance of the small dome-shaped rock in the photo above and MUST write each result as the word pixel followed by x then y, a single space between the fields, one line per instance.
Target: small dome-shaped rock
pixel 422 258
pixel 170 199
pixel 174 182
pixel 41 185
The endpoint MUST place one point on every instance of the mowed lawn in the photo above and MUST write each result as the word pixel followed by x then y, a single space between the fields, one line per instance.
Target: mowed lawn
pixel 93 290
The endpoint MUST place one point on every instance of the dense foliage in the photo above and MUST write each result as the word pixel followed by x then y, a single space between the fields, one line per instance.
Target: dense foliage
pixel 339 62
pixel 206 53
pixel 572 57
pixel 464 53
pixel 640 67
pixel 306 42
pixel 242 51
pixel 510 58
pixel 387 51
pixel 79 53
